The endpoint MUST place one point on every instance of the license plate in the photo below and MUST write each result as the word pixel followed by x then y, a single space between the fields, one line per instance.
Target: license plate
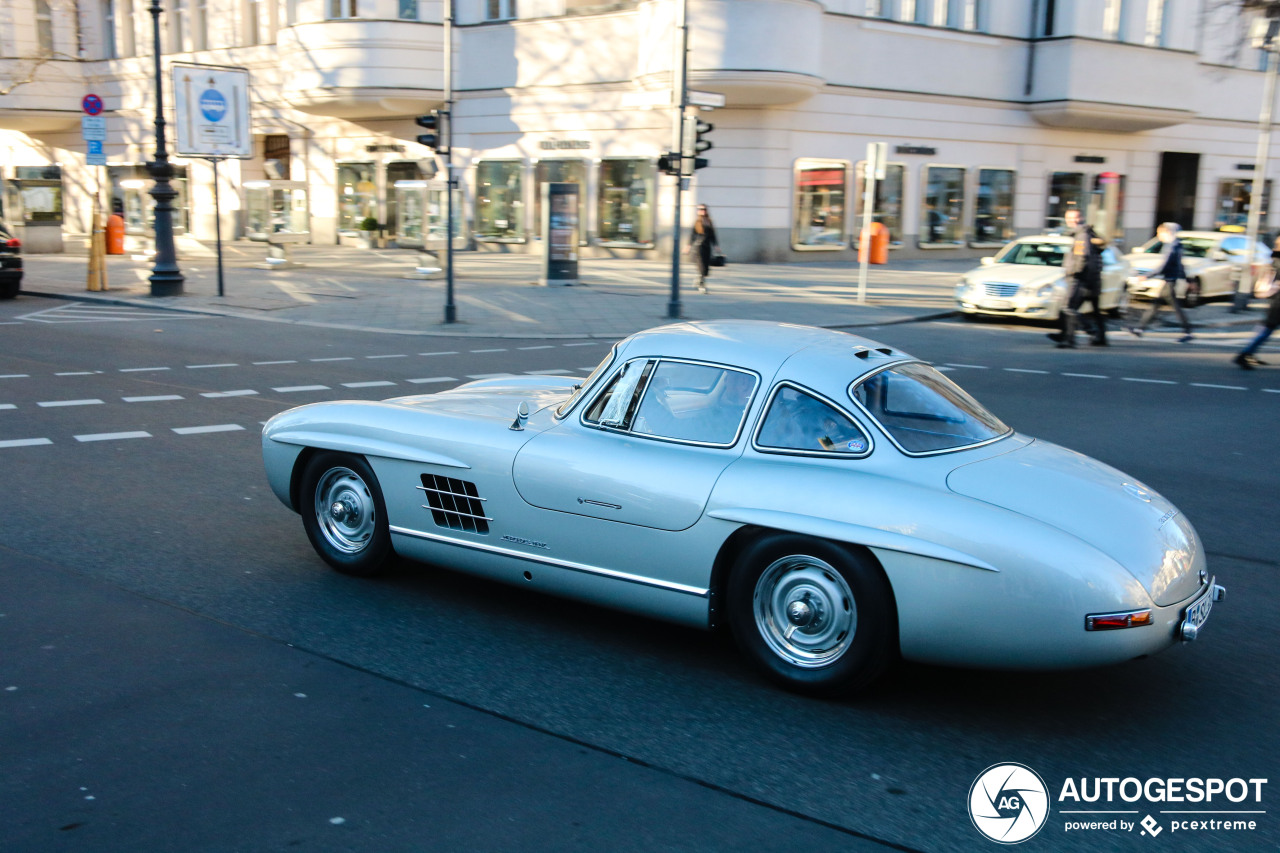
pixel 1197 612
pixel 996 303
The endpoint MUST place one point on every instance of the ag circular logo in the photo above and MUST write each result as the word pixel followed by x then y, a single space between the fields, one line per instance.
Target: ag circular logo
pixel 1008 803
pixel 213 105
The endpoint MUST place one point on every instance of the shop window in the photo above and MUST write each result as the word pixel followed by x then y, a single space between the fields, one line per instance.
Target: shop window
pixel 1108 202
pixel 887 209
pixel 396 171
pixel 624 212
pixel 1234 196
pixel 993 208
pixel 942 208
pixel 557 171
pixel 357 195
pixel 131 197
pixel 275 148
pixel 39 190
pixel 818 214
pixel 1066 192
pixel 500 200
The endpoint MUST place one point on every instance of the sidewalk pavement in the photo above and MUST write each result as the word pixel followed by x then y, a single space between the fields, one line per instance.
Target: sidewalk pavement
pixel 497 295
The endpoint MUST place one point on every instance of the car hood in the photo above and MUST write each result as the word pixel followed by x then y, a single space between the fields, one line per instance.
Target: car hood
pixel 1114 513
pixel 494 398
pixel 1019 274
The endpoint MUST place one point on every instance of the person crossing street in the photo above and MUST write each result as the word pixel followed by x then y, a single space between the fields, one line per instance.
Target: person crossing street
pixel 1082 269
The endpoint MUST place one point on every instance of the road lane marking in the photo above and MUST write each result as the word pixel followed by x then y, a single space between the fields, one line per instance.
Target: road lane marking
pixel 112 436
pixel 1271 390
pixel 16 376
pixel 1087 375
pixel 286 361
pixel 155 398
pixel 246 392
pixel 289 389
pixel 490 375
pixel 432 379
pixel 446 352
pixel 583 344
pixel 498 349
pixel 1151 381
pixel 7 406
pixel 398 355
pixel 77 373
pixel 335 358
pixel 142 369
pixel 1023 370
pixel 1223 387
pixel 543 346
pixel 381 383
pixel 206 366
pixel 24 442
pixel 970 366
pixel 197 430
pixel 52 403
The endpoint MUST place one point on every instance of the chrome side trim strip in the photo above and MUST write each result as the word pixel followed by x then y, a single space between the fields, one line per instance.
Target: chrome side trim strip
pixel 456 512
pixel 684 589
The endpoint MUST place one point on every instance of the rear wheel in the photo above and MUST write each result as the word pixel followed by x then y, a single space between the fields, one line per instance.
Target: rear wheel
pixel 815 617
pixel 344 514
pixel 9 289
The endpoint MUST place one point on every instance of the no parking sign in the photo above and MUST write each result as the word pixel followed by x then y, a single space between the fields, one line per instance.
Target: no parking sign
pixel 211 104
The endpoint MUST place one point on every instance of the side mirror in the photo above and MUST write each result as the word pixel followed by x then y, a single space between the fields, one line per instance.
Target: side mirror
pixel 522 415
pixel 988 260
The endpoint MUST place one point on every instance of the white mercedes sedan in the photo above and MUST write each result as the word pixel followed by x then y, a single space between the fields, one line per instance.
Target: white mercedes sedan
pixel 1025 280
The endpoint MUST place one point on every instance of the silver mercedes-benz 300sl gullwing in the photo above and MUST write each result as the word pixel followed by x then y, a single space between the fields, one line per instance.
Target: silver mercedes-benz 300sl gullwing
pixel 833 501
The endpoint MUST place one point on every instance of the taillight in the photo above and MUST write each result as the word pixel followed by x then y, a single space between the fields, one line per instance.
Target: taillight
pixel 1114 621
pixel 13 243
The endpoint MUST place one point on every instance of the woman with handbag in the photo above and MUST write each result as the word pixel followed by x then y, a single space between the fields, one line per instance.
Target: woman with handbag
pixel 704 246
pixel 1246 359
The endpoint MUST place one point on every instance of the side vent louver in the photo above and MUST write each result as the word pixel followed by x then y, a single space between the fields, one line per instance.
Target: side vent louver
pixel 455 504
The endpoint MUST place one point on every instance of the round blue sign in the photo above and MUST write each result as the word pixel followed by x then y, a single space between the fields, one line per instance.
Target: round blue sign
pixel 213 105
pixel 92 104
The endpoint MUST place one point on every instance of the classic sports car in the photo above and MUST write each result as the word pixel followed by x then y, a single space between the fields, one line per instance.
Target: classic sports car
pixel 1024 279
pixel 1213 261
pixel 833 501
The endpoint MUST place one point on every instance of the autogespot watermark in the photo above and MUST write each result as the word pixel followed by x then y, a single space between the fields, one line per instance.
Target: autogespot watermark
pixel 1009 803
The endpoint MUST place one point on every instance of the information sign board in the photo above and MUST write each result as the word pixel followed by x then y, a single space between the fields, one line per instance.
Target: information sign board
pixel 211 104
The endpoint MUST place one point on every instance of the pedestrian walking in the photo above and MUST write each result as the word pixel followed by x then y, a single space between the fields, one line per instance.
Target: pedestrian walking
pixel 704 245
pixel 1082 269
pixel 1247 358
pixel 1170 269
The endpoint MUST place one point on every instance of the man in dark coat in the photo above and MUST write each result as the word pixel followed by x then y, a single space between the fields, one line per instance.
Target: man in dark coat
pixel 1171 270
pixel 1082 269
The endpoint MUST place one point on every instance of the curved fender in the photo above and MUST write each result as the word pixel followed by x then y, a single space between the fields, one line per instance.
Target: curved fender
pixel 853 533
pixel 364 446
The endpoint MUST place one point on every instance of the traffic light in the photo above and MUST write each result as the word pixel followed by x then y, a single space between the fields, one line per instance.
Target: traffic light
pixel 701 143
pixel 434 123
pixel 669 164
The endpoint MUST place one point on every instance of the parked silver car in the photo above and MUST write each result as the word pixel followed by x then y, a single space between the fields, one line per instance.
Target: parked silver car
pixel 833 501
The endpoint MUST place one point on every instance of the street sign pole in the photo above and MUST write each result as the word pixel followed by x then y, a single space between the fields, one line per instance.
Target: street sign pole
pixel 682 100
pixel 217 220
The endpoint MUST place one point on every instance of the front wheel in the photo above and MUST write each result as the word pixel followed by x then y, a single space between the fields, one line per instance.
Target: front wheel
pixel 344 515
pixel 815 617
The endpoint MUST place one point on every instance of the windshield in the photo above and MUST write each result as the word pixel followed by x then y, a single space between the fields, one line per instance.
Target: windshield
pixel 1192 247
pixel 1033 254
pixel 924 411
pixel 586 383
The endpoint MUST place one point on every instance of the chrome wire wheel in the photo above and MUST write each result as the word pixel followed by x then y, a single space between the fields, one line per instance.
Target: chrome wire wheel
pixel 345 510
pixel 805 611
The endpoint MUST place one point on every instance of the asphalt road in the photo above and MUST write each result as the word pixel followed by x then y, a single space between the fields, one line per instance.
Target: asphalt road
pixel 180 671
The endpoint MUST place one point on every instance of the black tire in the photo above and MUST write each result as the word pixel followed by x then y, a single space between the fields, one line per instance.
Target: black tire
pixel 9 289
pixel 835 599
pixel 354 539
pixel 1192 298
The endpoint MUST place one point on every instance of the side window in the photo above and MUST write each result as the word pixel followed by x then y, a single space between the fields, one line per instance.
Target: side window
pixel 1234 245
pixel 799 421
pixel 695 402
pixel 616 405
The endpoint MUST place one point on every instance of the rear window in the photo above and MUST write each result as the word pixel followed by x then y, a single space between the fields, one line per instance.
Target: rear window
pixel 924 411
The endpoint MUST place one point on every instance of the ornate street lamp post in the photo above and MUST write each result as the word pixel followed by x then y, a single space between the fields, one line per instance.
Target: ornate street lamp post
pixel 166 279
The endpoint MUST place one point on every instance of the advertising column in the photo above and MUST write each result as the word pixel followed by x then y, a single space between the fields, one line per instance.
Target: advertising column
pixel 561 225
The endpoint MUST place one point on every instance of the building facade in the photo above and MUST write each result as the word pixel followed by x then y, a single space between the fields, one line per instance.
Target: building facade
pixel 998 115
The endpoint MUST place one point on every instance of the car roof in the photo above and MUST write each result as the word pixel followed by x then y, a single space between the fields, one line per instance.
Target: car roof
pixel 762 346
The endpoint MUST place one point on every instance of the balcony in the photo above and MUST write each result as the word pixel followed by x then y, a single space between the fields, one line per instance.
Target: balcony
pixel 363 69
pixel 1085 84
